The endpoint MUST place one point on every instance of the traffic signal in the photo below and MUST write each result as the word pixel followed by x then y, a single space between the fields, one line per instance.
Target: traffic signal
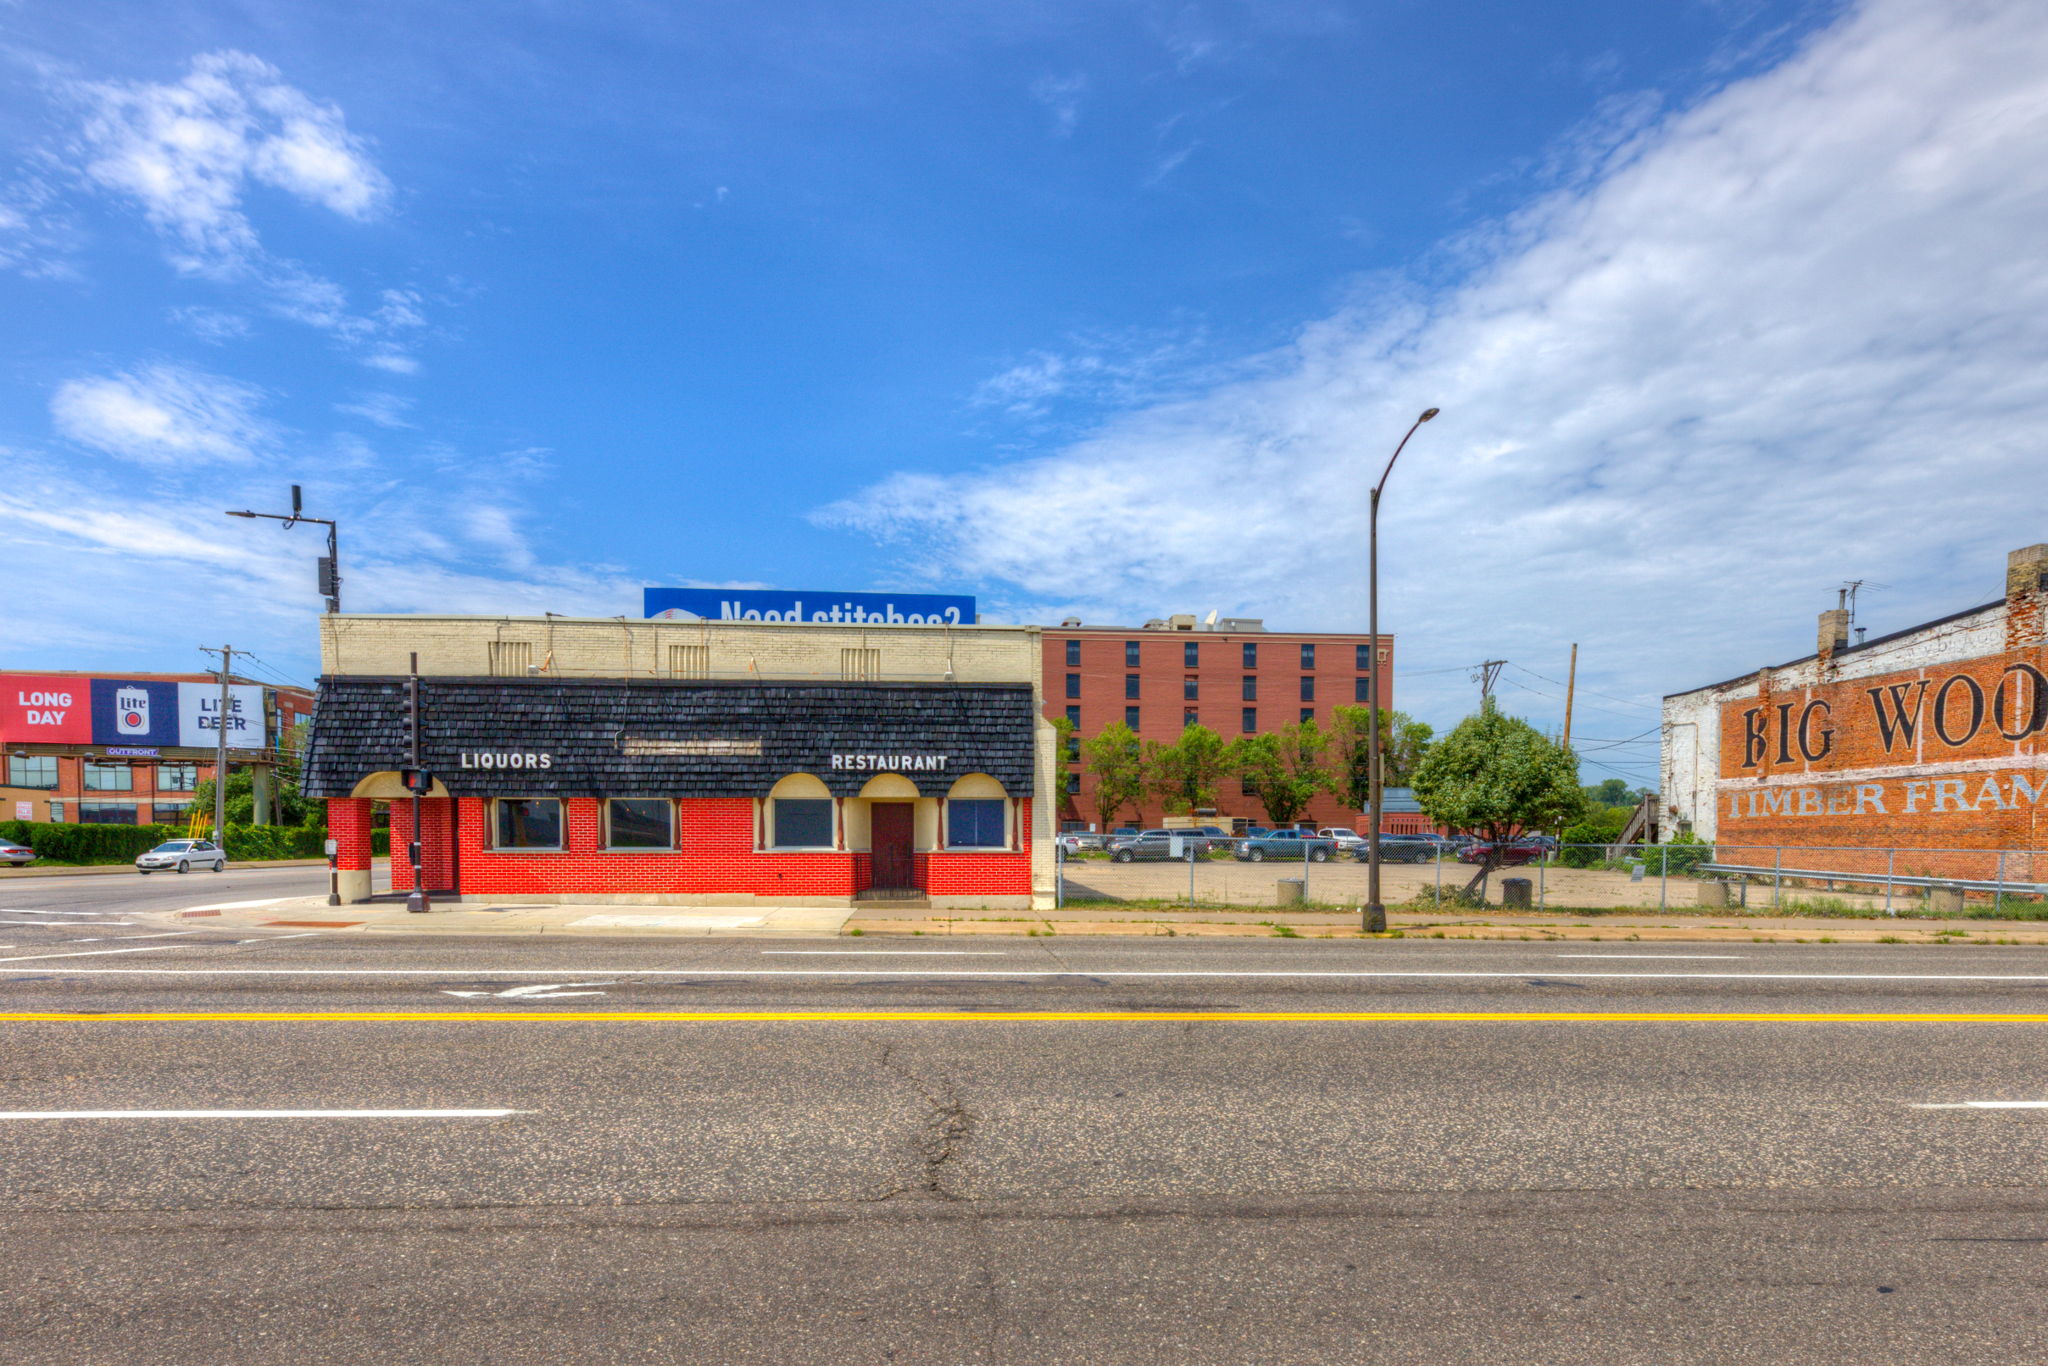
pixel 417 781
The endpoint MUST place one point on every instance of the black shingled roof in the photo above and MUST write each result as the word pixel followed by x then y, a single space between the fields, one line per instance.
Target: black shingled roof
pixel 359 729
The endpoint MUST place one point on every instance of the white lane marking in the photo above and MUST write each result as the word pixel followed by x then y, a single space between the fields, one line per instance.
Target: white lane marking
pixel 67 924
pixel 258 1114
pixel 539 991
pixel 90 953
pixel 1659 957
pixel 105 938
pixel 992 974
pixel 1989 1105
pixel 29 910
pixel 891 953
pixel 236 905
pixel 266 938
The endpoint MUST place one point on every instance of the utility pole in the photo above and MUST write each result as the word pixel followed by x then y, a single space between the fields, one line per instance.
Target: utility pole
pixel 1487 671
pixel 220 748
pixel 1571 681
pixel 417 900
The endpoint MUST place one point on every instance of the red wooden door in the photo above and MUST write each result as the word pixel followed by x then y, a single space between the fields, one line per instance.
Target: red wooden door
pixel 890 841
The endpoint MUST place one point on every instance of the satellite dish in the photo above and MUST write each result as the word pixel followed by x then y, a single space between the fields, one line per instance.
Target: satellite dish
pixel 1210 620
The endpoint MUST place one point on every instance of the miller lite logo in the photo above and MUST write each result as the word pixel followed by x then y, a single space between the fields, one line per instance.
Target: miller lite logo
pixel 131 711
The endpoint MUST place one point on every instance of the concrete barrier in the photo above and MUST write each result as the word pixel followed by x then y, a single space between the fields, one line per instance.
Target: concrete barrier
pixel 1290 891
pixel 1713 893
pixel 1944 901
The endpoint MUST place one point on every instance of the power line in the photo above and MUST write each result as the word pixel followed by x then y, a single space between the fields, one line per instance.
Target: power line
pixel 1582 688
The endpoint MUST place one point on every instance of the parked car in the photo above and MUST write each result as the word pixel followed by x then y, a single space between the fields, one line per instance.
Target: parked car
pixel 1160 845
pixel 1255 832
pixel 182 855
pixel 1215 834
pixel 1399 849
pixel 1343 836
pixel 1124 832
pixel 16 855
pixel 1513 853
pixel 1081 841
pixel 1283 846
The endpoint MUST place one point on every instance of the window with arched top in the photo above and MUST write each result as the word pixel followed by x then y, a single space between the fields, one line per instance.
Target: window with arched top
pixel 977 813
pixel 800 813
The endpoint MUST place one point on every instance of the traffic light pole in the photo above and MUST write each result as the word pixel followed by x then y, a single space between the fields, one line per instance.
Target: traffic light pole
pixel 416 902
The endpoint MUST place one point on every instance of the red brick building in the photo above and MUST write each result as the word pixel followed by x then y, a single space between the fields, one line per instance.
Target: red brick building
pixel 1928 741
pixel 1231 675
pixel 130 749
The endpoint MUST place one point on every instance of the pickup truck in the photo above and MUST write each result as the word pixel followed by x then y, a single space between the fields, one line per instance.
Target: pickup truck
pixel 1286 846
pixel 1344 837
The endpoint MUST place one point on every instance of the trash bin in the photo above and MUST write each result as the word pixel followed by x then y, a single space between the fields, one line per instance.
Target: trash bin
pixel 1516 893
pixel 1290 893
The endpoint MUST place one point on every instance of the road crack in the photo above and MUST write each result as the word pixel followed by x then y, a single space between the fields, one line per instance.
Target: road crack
pixel 948 1126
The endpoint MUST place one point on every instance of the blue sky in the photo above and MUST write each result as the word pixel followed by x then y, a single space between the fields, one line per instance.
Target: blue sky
pixel 1101 308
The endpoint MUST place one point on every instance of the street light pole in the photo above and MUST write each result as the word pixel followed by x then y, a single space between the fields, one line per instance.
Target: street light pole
pixel 1375 919
pixel 330 566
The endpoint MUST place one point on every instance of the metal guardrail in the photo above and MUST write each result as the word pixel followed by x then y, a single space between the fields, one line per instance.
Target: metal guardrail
pixel 1885 879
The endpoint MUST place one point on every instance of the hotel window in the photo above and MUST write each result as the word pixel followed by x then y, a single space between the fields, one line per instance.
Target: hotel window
pixel 104 813
pixel 109 778
pixel 1308 713
pixel 1073 654
pixel 528 823
pixel 1251 687
pixel 1251 654
pixel 1247 787
pixel 177 777
pixel 1074 715
pixel 1131 717
pixel 1364 658
pixel 1361 689
pixel 689 661
pixel 802 823
pixel 1073 748
pixel 32 770
pixel 1190 718
pixel 1073 782
pixel 975 823
pixel 1191 654
pixel 1073 685
pixel 1308 688
pixel 1131 684
pixel 510 658
pixel 1130 654
pixel 860 664
pixel 1250 724
pixel 640 823
pixel 1190 690
pixel 1308 656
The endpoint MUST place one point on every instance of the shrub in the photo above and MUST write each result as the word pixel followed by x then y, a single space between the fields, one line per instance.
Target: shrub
pixel 71 842
pixel 1680 856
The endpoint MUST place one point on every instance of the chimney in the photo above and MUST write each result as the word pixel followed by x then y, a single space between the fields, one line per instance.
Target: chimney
pixel 2026 596
pixel 1834 631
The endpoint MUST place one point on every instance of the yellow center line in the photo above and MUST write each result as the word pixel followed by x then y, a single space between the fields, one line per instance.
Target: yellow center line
pixel 997 1017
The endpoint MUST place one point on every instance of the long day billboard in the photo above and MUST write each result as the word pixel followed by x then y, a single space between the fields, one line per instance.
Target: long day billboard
pixel 70 710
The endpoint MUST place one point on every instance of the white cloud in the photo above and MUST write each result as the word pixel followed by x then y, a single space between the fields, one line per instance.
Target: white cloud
pixel 386 410
pixel 1795 334
pixel 211 324
pixel 188 151
pixel 1061 95
pixel 162 414
pixel 392 361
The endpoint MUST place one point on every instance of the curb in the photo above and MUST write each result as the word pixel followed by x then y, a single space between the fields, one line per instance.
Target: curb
pixel 118 869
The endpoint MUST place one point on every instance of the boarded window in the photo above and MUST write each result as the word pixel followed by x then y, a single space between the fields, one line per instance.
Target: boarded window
pixel 689 661
pixel 511 658
pixel 858 663
pixel 802 823
pixel 975 823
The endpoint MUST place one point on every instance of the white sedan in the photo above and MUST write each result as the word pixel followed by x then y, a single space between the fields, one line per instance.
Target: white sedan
pixel 183 855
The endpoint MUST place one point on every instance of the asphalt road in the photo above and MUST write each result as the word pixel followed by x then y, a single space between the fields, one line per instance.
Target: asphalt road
pixel 1277 1173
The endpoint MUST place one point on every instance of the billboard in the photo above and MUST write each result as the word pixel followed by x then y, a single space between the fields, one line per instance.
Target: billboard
pixel 777 604
pixel 71 710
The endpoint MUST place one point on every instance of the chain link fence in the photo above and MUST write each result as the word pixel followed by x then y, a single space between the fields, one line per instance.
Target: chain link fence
pixel 1858 880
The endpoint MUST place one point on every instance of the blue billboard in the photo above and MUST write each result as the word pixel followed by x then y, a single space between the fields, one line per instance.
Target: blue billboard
pixel 777 604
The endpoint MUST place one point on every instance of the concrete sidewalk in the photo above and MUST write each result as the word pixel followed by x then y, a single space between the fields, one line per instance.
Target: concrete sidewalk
pixel 481 917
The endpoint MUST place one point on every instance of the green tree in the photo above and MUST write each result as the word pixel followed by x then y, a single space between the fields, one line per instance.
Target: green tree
pixel 1285 769
pixel 287 806
pixel 1063 748
pixel 1187 773
pixel 1497 776
pixel 1403 742
pixel 1115 761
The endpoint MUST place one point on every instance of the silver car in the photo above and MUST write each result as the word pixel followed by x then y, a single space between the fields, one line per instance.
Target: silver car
pixel 182 855
pixel 16 855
